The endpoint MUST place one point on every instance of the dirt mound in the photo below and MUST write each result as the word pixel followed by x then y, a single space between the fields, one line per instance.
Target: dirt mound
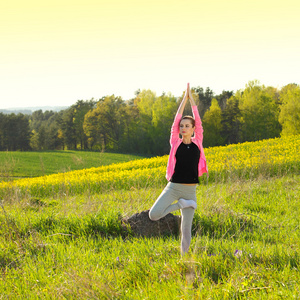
pixel 141 225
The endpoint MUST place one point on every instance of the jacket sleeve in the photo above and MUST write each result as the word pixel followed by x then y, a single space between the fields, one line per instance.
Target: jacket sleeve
pixel 175 128
pixel 198 123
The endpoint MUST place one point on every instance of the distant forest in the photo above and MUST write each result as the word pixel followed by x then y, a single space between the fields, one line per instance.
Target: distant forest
pixel 142 125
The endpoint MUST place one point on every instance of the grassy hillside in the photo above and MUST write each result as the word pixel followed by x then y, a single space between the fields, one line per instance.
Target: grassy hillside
pixel 32 164
pixel 61 235
pixel 245 161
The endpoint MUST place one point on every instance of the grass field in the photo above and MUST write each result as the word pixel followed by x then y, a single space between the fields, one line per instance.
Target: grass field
pixel 67 242
pixel 32 164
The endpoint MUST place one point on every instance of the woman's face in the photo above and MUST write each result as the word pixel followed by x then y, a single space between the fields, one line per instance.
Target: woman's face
pixel 186 128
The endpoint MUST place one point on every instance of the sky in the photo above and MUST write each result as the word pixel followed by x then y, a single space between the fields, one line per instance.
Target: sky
pixel 54 53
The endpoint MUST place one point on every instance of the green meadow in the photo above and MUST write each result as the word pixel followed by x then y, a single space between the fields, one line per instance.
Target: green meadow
pixel 72 246
pixel 38 163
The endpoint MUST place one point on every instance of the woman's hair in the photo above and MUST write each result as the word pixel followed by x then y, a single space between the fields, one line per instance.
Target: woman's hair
pixel 189 118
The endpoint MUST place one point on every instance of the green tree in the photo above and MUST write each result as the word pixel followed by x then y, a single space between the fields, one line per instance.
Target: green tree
pixel 205 98
pixel 223 97
pixel 131 140
pixel 34 140
pixel 163 112
pixel 260 110
pixel 42 138
pixel 105 124
pixel 2 122
pixel 71 124
pixel 289 116
pixel 148 122
pixel 15 132
pixel 68 128
pixel 144 126
pixel 45 127
pixel 24 132
pixel 91 127
pixel 231 122
pixel 79 111
pixel 212 125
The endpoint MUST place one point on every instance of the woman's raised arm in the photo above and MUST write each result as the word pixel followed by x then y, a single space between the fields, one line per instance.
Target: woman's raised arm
pixel 198 122
pixel 178 116
pixel 183 102
pixel 190 96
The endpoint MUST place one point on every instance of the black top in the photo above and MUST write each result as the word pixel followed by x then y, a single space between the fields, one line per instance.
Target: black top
pixel 187 160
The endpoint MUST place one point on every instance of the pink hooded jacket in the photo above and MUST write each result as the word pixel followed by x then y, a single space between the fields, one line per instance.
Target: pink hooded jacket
pixel 175 141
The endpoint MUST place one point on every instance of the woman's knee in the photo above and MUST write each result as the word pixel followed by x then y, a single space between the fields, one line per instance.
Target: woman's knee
pixel 154 215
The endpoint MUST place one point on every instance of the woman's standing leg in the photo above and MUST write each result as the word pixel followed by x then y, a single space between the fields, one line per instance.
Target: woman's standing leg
pixel 187 215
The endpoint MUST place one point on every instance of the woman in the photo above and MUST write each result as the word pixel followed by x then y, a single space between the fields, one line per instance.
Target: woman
pixel 186 163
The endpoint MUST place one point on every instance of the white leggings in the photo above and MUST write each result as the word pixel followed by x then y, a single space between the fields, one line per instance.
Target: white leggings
pixel 163 205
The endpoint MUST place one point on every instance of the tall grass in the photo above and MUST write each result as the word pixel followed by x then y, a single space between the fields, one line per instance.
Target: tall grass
pixel 245 246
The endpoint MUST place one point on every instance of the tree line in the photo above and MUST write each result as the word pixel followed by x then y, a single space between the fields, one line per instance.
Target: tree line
pixel 142 124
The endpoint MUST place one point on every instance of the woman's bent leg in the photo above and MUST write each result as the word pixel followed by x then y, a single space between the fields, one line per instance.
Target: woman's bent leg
pixel 163 205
